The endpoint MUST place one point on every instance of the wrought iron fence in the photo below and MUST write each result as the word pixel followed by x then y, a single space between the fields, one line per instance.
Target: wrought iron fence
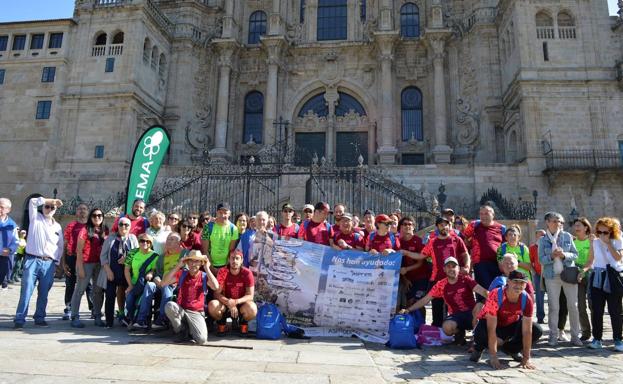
pixel 582 159
pixel 508 209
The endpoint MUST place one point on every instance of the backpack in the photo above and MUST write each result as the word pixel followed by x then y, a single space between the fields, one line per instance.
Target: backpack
pixel 392 238
pixel 306 224
pixel 524 299
pixel 402 330
pixel 210 227
pixel 269 322
pixel 498 282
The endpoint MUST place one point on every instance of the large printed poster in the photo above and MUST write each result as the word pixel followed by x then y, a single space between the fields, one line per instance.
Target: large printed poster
pixel 326 291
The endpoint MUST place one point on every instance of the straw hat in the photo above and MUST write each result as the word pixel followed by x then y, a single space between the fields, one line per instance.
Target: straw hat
pixel 195 255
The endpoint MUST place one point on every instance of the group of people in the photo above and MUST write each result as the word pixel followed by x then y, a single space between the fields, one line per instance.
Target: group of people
pixel 478 275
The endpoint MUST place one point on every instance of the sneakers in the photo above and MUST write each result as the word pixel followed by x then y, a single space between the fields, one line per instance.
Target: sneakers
pixel 595 344
pixel 41 323
pixel 18 325
pixel 158 325
pixel 125 321
pixel 140 325
pixel 244 329
pixel 76 323
pixel 577 342
pixel 562 336
pixel 66 314
pixel 618 345
pixel 475 356
pixel 553 341
pixel 98 322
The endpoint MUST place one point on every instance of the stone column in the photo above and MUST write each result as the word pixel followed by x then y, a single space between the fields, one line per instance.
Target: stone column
pixel 274 20
pixel 229 24
pixel 273 46
pixel 441 151
pixel 226 52
pixel 386 135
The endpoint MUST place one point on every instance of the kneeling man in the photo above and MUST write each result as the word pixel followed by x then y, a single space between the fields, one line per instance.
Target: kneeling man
pixel 192 284
pixel 457 290
pixel 234 297
pixel 506 322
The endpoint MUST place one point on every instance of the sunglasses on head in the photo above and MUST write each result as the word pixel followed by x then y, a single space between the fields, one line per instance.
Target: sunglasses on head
pixel 124 224
pixel 602 232
pixel 47 206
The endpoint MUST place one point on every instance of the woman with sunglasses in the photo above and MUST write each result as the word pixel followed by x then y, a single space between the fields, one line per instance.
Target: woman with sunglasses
pixel 140 268
pixel 112 278
pixel 88 250
pixel 173 222
pixel 606 250
pixel 189 238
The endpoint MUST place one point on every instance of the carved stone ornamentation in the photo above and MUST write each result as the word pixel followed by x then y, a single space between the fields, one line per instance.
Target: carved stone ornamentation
pixel 468 123
pixel 197 133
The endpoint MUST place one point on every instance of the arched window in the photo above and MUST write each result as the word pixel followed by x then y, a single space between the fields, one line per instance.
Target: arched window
pixel 162 66
pixel 253 117
pixel 146 50
pixel 345 104
pixel 409 20
pixel 118 38
pixel 101 39
pixel 257 26
pixel 411 111
pixel 154 57
pixel 566 25
pixel 544 25
pixel 332 23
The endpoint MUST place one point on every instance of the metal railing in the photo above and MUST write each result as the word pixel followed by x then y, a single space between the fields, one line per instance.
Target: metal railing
pixel 566 33
pixel 545 32
pixel 508 209
pixel 583 159
pixel 98 50
pixel 115 50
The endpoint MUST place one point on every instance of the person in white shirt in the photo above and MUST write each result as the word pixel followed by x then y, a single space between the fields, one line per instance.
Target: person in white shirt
pixel 606 251
pixel 43 252
pixel 158 231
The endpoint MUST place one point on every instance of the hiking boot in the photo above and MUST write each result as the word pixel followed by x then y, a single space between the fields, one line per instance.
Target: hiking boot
pixel 140 325
pixel 244 328
pixel 221 329
pixel 475 356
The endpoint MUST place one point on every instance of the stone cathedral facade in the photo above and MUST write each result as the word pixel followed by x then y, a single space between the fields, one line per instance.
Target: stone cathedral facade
pixel 519 95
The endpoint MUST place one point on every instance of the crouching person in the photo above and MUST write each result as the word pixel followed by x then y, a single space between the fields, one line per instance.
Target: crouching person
pixel 234 297
pixel 185 315
pixel 457 290
pixel 506 322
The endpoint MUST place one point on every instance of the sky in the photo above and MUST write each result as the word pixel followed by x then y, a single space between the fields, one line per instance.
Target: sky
pixel 19 10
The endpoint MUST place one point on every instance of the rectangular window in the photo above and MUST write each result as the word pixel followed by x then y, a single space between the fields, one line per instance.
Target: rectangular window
pixel 4 40
pixel 48 74
pixel 56 40
pixel 19 42
pixel 308 147
pixel 36 41
pixel 99 151
pixel 332 20
pixel 2 71
pixel 110 64
pixel 43 110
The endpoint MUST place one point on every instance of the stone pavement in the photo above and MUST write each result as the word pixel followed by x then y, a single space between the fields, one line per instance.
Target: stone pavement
pixel 95 355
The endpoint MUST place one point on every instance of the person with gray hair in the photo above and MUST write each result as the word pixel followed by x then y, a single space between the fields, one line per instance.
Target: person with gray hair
pixel 557 250
pixel 8 242
pixel 158 231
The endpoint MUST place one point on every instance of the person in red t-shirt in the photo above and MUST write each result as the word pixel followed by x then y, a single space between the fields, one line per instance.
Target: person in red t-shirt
pixel 506 322
pixel 368 223
pixel 415 271
pixel 439 249
pixel 382 240
pixel 189 238
pixel 317 229
pixel 88 248
pixel 286 229
pixel 139 223
pixel 457 291
pixel 234 297
pixel 185 315
pixel 68 260
pixel 346 237
pixel 485 236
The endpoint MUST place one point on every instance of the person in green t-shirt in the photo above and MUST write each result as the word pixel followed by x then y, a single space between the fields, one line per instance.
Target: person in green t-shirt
pixel 515 247
pixel 582 230
pixel 173 252
pixel 143 258
pixel 219 238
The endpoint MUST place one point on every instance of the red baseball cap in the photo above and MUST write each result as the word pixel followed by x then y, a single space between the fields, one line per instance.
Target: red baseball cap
pixel 382 218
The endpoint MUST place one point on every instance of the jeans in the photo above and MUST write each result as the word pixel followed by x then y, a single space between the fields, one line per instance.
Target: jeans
pixel 5 269
pixel 111 298
pixel 539 296
pixel 145 302
pixel 511 334
pixel 600 298
pixel 484 273
pixel 91 271
pixel 554 287
pixel 166 295
pixel 35 270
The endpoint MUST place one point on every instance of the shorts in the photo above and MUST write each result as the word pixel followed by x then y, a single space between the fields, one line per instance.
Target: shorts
pixel 463 319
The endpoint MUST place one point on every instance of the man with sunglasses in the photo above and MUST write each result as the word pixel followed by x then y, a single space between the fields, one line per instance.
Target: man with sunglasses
pixel 308 212
pixel 43 251
pixel 139 222
pixel 286 228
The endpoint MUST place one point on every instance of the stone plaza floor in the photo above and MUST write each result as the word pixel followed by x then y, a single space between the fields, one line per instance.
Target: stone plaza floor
pixel 60 353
